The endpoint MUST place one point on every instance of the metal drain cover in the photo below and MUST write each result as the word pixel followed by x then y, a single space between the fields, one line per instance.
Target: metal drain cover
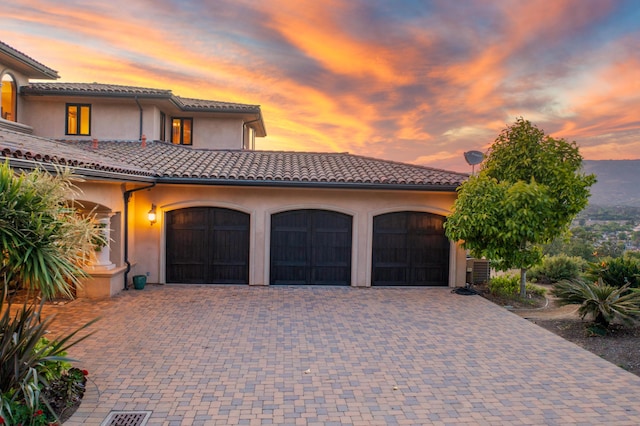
pixel 126 418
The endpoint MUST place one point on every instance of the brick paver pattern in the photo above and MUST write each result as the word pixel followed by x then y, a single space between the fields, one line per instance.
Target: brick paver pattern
pixel 207 355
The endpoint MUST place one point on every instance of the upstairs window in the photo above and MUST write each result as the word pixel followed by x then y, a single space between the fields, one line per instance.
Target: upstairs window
pixel 8 98
pixel 163 126
pixel 78 119
pixel 181 129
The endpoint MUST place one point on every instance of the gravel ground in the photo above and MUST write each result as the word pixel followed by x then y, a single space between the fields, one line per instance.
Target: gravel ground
pixel 620 345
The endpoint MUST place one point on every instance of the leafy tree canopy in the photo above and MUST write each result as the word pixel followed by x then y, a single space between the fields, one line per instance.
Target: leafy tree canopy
pixel 526 193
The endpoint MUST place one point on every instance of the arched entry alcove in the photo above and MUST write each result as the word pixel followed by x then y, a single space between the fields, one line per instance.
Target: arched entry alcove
pixel 105 270
pixel 108 256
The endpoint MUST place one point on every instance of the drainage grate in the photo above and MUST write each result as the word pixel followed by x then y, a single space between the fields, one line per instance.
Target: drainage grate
pixel 126 418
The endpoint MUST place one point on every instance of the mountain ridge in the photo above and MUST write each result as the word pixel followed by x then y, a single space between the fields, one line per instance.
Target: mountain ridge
pixel 618 182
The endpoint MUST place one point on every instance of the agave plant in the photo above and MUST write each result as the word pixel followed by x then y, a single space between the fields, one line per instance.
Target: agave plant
pixel 25 354
pixel 602 302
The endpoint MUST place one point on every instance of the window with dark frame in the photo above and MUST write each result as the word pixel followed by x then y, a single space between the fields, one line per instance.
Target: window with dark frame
pixel 181 130
pixel 163 126
pixel 78 119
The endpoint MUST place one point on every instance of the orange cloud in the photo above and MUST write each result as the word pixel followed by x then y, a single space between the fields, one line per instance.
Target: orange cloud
pixel 349 76
pixel 312 28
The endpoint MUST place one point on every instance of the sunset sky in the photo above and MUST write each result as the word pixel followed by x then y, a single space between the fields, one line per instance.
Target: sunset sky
pixel 412 81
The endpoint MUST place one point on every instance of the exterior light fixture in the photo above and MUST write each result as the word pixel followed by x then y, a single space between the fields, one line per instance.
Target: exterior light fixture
pixel 152 214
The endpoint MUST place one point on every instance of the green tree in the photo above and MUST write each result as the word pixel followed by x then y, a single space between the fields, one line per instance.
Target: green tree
pixel 577 242
pixel 610 249
pixel 527 192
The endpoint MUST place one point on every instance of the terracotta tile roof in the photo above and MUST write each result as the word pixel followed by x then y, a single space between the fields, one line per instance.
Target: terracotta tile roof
pixel 188 104
pixel 107 90
pixel 174 162
pixel 91 89
pixel 166 162
pixel 21 146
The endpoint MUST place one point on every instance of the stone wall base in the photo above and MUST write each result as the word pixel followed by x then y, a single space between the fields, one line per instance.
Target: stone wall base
pixel 102 284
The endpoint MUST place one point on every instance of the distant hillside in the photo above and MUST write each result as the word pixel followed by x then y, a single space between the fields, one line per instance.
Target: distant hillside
pixel 618 182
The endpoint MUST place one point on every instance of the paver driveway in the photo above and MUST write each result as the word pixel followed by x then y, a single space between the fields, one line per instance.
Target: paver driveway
pixel 205 355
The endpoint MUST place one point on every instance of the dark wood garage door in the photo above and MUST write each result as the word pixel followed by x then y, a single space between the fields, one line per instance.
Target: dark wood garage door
pixel 410 248
pixel 207 245
pixel 311 247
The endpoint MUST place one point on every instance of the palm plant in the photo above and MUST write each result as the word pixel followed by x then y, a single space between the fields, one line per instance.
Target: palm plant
pixel 604 303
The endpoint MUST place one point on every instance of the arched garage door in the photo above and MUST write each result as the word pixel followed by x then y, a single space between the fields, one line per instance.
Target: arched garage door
pixel 410 248
pixel 207 245
pixel 311 247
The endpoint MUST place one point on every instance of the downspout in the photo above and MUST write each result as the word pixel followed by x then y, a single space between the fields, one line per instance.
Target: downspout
pixel 127 196
pixel 141 111
pixel 244 125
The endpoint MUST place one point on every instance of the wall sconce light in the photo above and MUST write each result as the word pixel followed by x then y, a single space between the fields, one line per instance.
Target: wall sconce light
pixel 152 214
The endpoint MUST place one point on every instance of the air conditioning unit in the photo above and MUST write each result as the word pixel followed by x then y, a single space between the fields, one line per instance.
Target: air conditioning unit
pixel 478 271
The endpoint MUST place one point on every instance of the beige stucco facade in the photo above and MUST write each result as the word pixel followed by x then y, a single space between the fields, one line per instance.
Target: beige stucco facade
pixel 139 247
pixel 109 120
pixel 147 245
pixel 126 119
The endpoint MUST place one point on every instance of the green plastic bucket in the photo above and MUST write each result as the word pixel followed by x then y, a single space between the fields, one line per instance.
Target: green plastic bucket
pixel 139 281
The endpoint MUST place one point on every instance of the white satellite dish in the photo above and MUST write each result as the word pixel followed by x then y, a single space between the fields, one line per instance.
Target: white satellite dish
pixel 473 158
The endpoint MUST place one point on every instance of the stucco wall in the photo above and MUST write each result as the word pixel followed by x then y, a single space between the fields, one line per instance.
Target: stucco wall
pixel 115 121
pixel 46 118
pixel 149 249
pixel 217 133
pixel 120 120
pixel 151 123
pixel 108 120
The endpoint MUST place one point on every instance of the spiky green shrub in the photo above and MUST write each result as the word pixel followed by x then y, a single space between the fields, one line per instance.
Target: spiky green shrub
pixel 615 271
pixel 557 268
pixel 27 358
pixel 603 303
pixel 51 369
pixel 44 242
pixel 43 246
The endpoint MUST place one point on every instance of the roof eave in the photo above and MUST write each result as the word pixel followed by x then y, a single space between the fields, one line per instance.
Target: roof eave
pixel 306 184
pixel 24 164
pixel 220 110
pixel 259 126
pixel 28 66
pixel 27 91
pixel 261 130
